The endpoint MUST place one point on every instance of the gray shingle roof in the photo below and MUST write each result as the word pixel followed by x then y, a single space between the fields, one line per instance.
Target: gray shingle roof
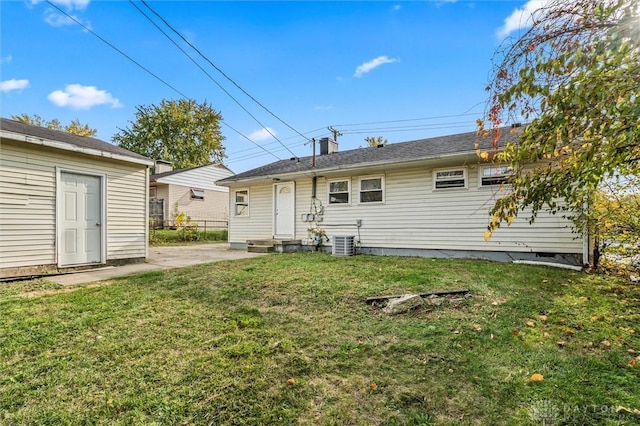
pixel 422 149
pixel 68 138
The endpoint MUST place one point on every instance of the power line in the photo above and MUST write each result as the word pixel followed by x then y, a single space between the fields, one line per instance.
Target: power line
pixel 211 78
pixel 406 120
pixel 358 132
pixel 219 70
pixel 148 71
pixel 116 49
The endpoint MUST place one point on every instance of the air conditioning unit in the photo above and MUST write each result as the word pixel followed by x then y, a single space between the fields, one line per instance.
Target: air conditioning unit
pixel 343 246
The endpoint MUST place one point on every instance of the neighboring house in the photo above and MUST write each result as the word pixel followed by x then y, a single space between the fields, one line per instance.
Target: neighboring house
pixel 427 197
pixel 192 192
pixel 68 201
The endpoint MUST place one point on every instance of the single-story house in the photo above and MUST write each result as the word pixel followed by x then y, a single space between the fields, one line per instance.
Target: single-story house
pixel 190 191
pixel 428 197
pixel 68 201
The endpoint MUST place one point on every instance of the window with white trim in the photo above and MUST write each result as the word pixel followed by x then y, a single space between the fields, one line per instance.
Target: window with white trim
pixel 197 194
pixel 241 202
pixel 339 191
pixel 495 175
pixel 450 178
pixel 153 192
pixel 371 190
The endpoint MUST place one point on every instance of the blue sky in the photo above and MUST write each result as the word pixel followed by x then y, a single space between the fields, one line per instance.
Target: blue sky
pixel 402 70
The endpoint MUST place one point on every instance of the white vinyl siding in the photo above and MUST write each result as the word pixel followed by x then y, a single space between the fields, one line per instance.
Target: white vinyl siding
pixel 177 192
pixel 414 216
pixel 180 198
pixel 260 222
pixel 28 197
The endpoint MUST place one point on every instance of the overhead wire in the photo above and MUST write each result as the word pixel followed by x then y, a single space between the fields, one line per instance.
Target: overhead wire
pixel 220 70
pixel 210 77
pixel 71 17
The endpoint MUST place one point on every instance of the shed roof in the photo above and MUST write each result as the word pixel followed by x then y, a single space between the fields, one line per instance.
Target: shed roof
pixel 401 152
pixel 15 130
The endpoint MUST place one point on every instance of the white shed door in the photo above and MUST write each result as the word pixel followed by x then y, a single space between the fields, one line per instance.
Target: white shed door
pixel 284 205
pixel 80 222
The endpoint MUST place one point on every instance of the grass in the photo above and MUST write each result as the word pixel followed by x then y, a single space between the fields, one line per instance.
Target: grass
pixel 287 339
pixel 173 237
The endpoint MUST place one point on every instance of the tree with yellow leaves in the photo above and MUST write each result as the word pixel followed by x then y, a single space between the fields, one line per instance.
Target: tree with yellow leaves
pixel 573 76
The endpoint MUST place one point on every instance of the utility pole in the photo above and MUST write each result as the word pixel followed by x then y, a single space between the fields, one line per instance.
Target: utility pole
pixel 335 132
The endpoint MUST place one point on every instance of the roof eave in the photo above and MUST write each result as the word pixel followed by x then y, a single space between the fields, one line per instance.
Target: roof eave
pixel 353 167
pixel 74 148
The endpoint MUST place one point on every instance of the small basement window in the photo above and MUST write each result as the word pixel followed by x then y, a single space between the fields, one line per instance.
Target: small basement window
pixel 495 175
pixel 242 203
pixel 339 192
pixel 450 178
pixel 197 194
pixel 371 190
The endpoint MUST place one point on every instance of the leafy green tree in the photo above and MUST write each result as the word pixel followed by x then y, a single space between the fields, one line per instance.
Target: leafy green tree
pixel 373 141
pixel 183 132
pixel 74 127
pixel 573 76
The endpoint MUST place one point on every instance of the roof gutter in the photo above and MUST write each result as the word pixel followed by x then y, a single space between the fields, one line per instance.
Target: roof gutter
pixel 74 148
pixel 316 172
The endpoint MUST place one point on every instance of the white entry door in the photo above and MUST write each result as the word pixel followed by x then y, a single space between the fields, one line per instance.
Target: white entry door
pixel 284 210
pixel 80 219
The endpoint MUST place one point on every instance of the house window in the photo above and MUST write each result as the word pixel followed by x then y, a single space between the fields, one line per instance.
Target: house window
pixel 197 194
pixel 450 178
pixel 153 192
pixel 371 190
pixel 495 175
pixel 339 192
pixel 242 203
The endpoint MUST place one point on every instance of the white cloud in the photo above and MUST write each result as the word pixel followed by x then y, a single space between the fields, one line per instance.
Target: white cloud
pixel 69 4
pixel 262 134
pixel 56 19
pixel 372 64
pixel 396 7
pixel 13 84
pixel 82 97
pixel 521 17
pixel 6 60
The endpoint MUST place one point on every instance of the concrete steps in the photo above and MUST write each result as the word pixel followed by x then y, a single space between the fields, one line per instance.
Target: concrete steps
pixel 273 246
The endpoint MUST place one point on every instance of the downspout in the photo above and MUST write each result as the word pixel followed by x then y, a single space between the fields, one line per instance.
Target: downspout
pixel 314 181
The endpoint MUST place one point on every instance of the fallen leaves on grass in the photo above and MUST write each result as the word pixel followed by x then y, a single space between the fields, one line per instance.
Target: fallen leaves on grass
pixel 531 324
pixel 537 377
pixel 291 381
pixel 374 386
pixel 476 327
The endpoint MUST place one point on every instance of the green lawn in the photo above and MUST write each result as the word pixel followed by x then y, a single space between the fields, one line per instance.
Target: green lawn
pixel 173 237
pixel 287 339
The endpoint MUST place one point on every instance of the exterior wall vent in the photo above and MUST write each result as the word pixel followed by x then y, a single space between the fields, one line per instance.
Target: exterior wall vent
pixel 343 246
